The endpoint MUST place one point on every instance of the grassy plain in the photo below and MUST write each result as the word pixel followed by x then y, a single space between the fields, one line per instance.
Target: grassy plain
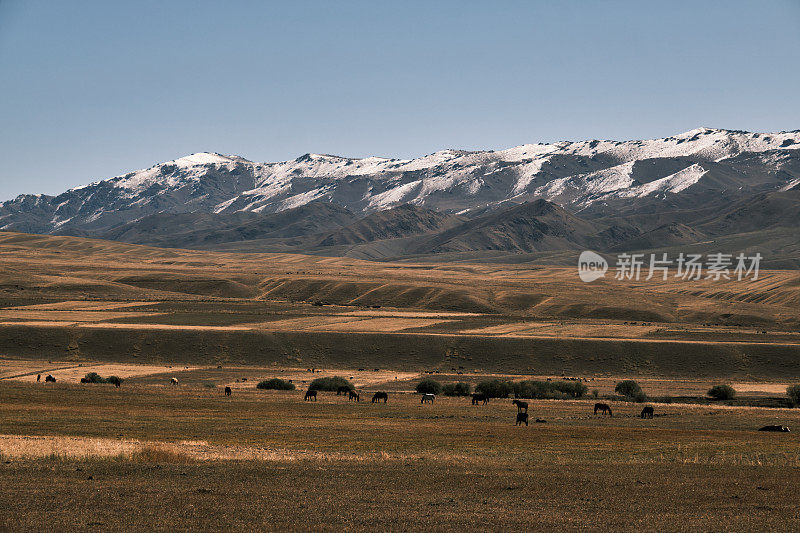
pixel 153 456
pixel 149 455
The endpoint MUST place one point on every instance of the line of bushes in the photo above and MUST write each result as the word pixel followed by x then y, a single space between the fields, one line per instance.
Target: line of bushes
pixel 557 390
pixel 94 377
pixel 275 384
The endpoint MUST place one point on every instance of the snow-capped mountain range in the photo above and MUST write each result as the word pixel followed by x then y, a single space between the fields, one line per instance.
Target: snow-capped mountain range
pixel 591 176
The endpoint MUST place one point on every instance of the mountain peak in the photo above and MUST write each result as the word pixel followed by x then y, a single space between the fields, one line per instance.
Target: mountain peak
pixel 203 158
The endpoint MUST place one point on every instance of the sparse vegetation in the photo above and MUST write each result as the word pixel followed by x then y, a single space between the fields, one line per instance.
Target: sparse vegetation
pixel 94 377
pixel 554 390
pixel 330 384
pixel 275 384
pixel 722 392
pixel 429 386
pixel 494 388
pixel 631 391
pixel 793 392
pixel 457 389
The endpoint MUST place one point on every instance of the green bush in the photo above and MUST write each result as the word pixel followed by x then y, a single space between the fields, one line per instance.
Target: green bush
pixel 94 377
pixel 553 390
pixel 429 386
pixel 494 388
pixel 330 384
pixel 631 390
pixel 793 393
pixel 275 384
pixel 457 389
pixel 722 392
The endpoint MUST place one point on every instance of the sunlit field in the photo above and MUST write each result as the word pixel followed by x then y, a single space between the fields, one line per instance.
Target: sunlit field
pixel 154 455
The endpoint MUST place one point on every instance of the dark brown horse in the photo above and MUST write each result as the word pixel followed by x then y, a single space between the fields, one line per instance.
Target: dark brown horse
pixel 521 417
pixel 310 395
pixel 603 408
pixel 783 429
pixel 342 390
pixel 228 391
pixel 479 397
pixel 521 405
pixel 49 378
pixel 353 395
pixel 428 398
pixel 378 396
pixel 647 412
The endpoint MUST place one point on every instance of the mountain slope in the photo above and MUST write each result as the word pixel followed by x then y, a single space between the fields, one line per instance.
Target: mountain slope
pixel 403 221
pixel 599 177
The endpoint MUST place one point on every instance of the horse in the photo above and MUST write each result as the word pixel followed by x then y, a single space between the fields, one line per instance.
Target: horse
pixel 353 395
pixel 342 390
pixel 521 417
pixel 783 429
pixel 428 398
pixel 647 412
pixel 310 394
pixel 38 377
pixel 480 397
pixel 49 378
pixel 603 408
pixel 85 380
pixel 521 405
pixel 378 396
pixel 228 391
pixel 173 381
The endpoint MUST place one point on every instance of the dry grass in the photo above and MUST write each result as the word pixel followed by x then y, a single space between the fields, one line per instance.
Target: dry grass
pixel 146 457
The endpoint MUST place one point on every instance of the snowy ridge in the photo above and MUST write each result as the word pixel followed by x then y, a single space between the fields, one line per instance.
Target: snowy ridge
pixel 569 173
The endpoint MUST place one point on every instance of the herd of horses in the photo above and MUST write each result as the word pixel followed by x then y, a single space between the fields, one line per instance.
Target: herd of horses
pixel 480 398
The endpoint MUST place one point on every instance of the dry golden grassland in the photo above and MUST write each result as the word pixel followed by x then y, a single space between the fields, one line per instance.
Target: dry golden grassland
pixel 150 455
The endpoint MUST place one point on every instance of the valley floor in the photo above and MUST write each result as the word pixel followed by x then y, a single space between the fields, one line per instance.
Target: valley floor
pixel 154 456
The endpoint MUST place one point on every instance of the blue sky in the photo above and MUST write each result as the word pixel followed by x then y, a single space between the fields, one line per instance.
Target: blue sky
pixel 92 89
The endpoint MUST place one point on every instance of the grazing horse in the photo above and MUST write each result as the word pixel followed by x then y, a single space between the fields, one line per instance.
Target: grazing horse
pixel 228 391
pixel 603 408
pixel 647 412
pixel 310 394
pixel 173 381
pixel 480 397
pixel 521 417
pixel 353 395
pixel 49 378
pixel 378 396
pixel 784 429
pixel 342 390
pixel 521 405
pixel 428 398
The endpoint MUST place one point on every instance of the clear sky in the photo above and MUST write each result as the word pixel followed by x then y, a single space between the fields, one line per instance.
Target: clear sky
pixel 92 88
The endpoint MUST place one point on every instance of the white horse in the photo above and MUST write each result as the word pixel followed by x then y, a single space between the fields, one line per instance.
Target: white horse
pixel 428 398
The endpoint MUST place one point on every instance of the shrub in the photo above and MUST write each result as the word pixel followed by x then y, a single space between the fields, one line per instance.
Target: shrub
pixel 722 392
pixel 429 386
pixel 554 390
pixel 494 388
pixel 793 393
pixel 631 390
pixel 595 393
pixel 114 380
pixel 330 384
pixel 457 389
pixel 275 384
pixel 94 377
